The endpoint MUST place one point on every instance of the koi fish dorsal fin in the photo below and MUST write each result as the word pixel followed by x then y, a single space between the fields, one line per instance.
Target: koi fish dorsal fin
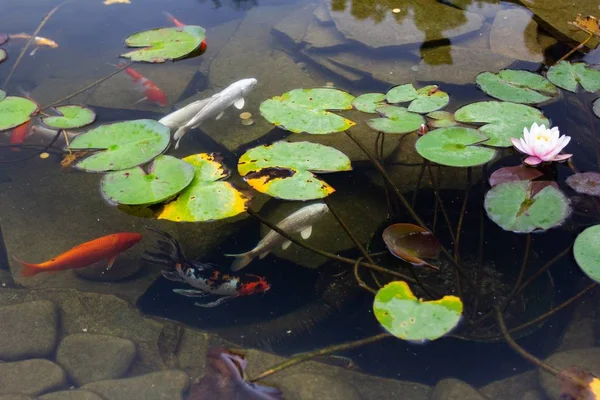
pixel 239 104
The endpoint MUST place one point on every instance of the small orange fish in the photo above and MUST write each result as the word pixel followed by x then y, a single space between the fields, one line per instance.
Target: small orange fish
pixel 104 248
pixel 19 134
pixel 38 40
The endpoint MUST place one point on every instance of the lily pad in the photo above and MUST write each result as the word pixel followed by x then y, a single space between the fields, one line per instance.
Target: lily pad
pixel 516 173
pixel 166 177
pixel 369 102
pixel 424 100
pixel 121 145
pixel 408 318
pixel 207 198
pixel 568 76
pixel 2 94
pixel 163 44
pixel 285 170
pixel 16 111
pixel 521 207
pixel 596 107
pixel 397 120
pixel 504 120
pixel 72 116
pixel 3 55
pixel 455 147
pixel 587 252
pixel 585 182
pixel 517 86
pixel 411 243
pixel 306 110
pixel 441 119
pixel 3 38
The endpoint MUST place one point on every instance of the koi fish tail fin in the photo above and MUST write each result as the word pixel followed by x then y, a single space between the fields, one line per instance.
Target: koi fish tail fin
pixel 168 250
pixel 241 260
pixel 27 269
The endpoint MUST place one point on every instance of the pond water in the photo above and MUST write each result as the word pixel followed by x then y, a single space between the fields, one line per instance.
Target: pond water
pixel 128 332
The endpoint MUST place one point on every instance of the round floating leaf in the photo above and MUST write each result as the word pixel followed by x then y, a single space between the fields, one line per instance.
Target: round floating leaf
pixel 516 173
pixel 441 119
pixel 305 110
pixel 567 76
pixel 586 183
pixel 397 120
pixel 401 94
pixel 455 147
pixel 207 197
pixel 15 111
pixel 504 120
pixel 408 318
pixel 285 170
pixel 587 252
pixel 411 243
pixel 2 94
pixel 596 107
pixel 3 38
pixel 368 102
pixel 429 98
pixel 72 117
pixel 121 145
pixel 521 207
pixel 163 44
pixel 3 55
pixel 517 86
pixel 166 177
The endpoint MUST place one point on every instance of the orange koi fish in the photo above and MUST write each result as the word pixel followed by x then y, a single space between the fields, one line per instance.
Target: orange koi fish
pixel 19 134
pixel 104 248
pixel 178 23
pixel 151 91
pixel 38 40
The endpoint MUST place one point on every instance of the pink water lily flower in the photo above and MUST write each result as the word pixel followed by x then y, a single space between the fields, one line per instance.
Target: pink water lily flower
pixel 541 144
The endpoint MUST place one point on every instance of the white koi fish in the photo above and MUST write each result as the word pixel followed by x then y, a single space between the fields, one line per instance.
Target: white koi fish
pixel 300 221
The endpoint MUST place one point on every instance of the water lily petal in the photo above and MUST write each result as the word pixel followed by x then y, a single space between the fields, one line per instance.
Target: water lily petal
pixel 533 160
pixel 562 157
pixel 562 143
pixel 519 144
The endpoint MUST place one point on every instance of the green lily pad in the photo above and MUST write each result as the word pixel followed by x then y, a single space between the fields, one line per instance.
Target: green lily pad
pixel 401 94
pixel 369 102
pixel 166 177
pixel 441 119
pixel 285 170
pixel 207 198
pixel 403 315
pixel 16 111
pixel 595 107
pixel 587 252
pixel 517 86
pixel 121 145
pixel 504 120
pixel 568 76
pixel 397 120
pixel 163 44
pixel 424 100
pixel 305 110
pixel 518 207
pixel 2 94
pixel 3 55
pixel 72 116
pixel 455 147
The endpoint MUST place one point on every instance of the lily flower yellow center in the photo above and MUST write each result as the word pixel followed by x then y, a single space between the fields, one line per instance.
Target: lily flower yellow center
pixel 542 144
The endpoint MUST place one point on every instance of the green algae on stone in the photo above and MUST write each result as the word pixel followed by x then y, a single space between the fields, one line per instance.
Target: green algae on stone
pixel 396 120
pixel 587 252
pixel 15 111
pixel 71 117
pixel 569 76
pixel 163 44
pixel 517 86
pixel 455 147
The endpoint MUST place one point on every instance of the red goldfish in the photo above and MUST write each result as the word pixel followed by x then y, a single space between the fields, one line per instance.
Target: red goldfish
pixel 104 248
pixel 151 91
pixel 178 23
pixel 19 134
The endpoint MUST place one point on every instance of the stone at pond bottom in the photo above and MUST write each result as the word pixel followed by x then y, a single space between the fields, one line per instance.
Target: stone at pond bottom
pixel 514 34
pixel 293 26
pixel 454 389
pixel 89 358
pixel 587 359
pixel 71 395
pixel 32 377
pixel 533 395
pixel 16 397
pixel 511 388
pixel 28 330
pixel 165 385
pixel 306 386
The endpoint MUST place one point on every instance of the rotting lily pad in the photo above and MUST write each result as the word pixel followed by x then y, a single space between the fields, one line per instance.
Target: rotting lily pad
pixel 424 100
pixel 596 107
pixel 504 120
pixel 568 76
pixel 121 145
pixel 72 116
pixel 585 182
pixel 397 120
pixel 285 170
pixel 411 243
pixel 517 86
pixel 306 110
pixel 516 173
pixel 166 177
pixel 207 198
pixel 163 44
pixel 519 207
pixel 587 252
pixel 16 111
pixel 455 146
pixel 441 119
pixel 369 102
pixel 408 318
pixel 3 55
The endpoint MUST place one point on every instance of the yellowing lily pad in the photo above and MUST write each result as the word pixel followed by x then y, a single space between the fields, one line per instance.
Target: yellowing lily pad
pixel 408 318
pixel 15 111
pixel 163 44
pixel 72 116
pixel 427 99
pixel 587 252
pixel 397 120
pixel 569 76
pixel 517 86
pixel 455 146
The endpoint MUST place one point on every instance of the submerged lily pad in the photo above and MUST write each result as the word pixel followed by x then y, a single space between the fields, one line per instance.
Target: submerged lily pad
pixel 585 182
pixel 306 110
pixel 516 173
pixel 403 315
pixel 207 198
pixel 411 243
pixel 285 170
pixel 587 252
pixel 121 145
pixel 72 116
pixel 397 120
pixel 568 76
pixel 596 107
pixel 163 44
pixel 504 120
pixel 424 100
pixel 15 111
pixel 517 86
pixel 3 55
pixel 521 207
pixel 455 147
pixel 369 102
pixel 441 119
pixel 166 177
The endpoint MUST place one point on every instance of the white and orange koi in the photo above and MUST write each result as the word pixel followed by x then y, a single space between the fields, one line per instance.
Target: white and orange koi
pixel 38 41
